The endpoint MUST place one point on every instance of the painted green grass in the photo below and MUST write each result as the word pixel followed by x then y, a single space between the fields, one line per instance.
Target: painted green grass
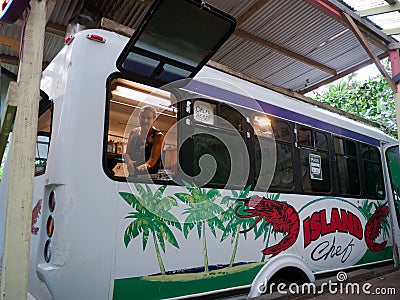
pixel 164 286
pixel 370 257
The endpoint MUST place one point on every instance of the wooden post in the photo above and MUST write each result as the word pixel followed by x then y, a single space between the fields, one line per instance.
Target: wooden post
pixel 394 56
pixel 14 278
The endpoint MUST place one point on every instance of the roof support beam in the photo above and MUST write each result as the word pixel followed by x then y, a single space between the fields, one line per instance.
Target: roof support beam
pixel 116 27
pixel 8 117
pixel 296 56
pixel 250 12
pixel 341 74
pixel 9 60
pixel 10 42
pixel 50 27
pixel 56 29
pixel 379 10
pixel 373 35
pixel 14 61
pixel 353 26
pixel 245 35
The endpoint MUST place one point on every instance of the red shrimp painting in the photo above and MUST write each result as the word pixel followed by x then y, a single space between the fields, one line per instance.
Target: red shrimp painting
pixel 373 226
pixel 282 216
pixel 35 215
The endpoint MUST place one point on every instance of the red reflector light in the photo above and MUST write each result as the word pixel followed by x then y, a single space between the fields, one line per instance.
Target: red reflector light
pixel 52 201
pixel 96 38
pixel 50 226
pixel 68 39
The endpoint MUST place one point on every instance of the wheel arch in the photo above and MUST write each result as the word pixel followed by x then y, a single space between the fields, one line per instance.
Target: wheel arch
pixel 286 266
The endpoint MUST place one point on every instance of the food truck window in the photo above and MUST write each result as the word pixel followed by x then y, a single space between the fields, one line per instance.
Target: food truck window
pixel 125 104
pixel 43 133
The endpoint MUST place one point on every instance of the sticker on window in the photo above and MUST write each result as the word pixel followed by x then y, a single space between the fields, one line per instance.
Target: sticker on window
pixel 204 112
pixel 315 167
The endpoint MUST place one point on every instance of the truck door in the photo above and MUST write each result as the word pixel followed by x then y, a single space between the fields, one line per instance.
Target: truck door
pixel 393 170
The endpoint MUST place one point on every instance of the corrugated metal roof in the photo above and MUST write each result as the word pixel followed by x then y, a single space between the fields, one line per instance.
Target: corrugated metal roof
pixel 301 26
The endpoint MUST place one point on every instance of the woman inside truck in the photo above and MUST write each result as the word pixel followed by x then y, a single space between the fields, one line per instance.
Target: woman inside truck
pixel 143 152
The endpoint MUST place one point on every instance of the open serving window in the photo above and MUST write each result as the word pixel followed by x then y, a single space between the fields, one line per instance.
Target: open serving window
pixel 127 99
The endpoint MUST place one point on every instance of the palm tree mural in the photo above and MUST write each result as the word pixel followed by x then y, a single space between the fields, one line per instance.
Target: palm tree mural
pixel 151 217
pixel 202 211
pixel 235 224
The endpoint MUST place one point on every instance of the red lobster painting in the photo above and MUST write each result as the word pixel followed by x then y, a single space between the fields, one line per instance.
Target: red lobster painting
pixel 35 216
pixel 373 226
pixel 282 216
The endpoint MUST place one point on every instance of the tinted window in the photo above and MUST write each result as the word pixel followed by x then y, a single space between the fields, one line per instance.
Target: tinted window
pixel 393 161
pixel 163 50
pixel 220 155
pixel 232 116
pixel 283 176
pixel 43 135
pixel 372 171
pixel 315 171
pixel 217 158
pixel 347 167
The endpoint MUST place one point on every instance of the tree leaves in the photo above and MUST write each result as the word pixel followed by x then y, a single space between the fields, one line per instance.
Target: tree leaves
pixel 152 216
pixel 372 100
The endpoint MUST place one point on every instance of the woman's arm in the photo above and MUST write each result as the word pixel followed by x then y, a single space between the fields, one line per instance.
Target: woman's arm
pixel 155 152
pixel 127 158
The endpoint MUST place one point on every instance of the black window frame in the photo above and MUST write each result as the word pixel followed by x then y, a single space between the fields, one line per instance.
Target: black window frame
pixel 45 104
pixel 105 156
pixel 249 137
pixel 153 12
pixel 395 201
pixel 290 143
pixel 329 145
pixel 363 170
pixel 346 154
pixel 187 149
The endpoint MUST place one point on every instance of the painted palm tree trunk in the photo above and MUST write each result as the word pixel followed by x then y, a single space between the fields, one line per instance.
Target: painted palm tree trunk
pixel 159 259
pixel 203 229
pixel 235 246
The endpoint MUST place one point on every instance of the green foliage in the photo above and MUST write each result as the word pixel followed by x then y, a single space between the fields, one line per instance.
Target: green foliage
pixel 202 211
pixel 234 224
pixel 151 217
pixel 372 100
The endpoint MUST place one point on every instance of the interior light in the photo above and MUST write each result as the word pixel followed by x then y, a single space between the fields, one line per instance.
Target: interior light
pixel 141 97
pixel 262 126
pixel 262 121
